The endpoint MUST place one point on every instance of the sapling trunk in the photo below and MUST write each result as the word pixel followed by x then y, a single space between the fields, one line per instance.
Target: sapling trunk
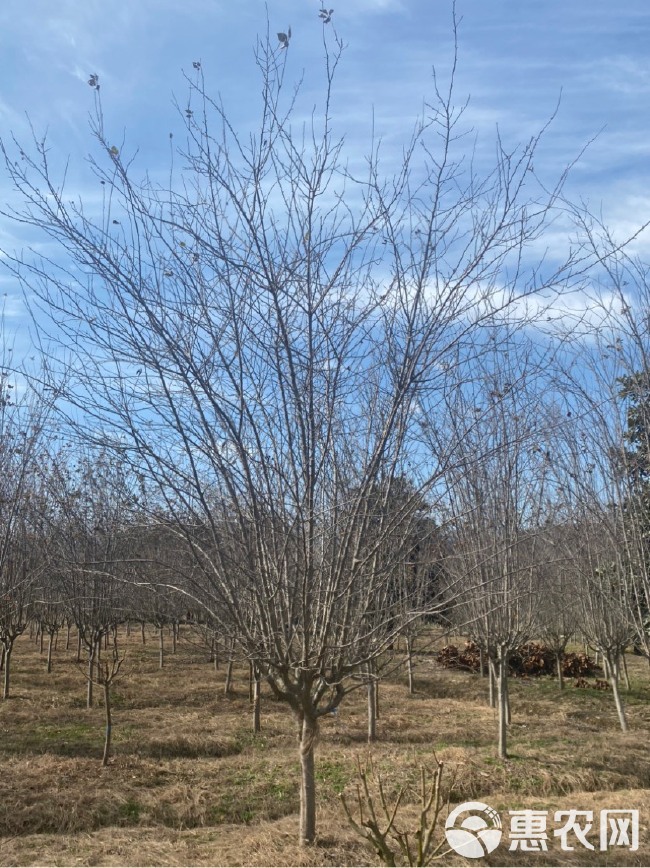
pixel 257 701
pixel 502 691
pixel 626 676
pixel 7 670
pixel 492 699
pixel 228 685
pixel 308 734
pixel 377 699
pixel 91 666
pixel 161 656
pixel 109 721
pixel 49 651
pixel 409 662
pixel 372 709
pixel 613 669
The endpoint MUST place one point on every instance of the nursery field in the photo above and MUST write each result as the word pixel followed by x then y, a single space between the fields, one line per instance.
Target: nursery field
pixel 190 784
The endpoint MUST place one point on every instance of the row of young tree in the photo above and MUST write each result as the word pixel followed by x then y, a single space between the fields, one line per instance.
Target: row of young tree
pixel 316 407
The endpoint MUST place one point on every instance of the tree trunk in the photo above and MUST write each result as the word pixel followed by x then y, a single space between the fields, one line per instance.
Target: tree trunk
pixel 214 653
pixel 308 734
pixel 2 657
pixel 142 633
pixel 481 663
pixel 49 651
pixel 161 657
pixel 502 690
pixel 78 645
pixel 559 661
pixel 109 722
pixel 409 662
pixel 372 708
pixel 228 685
pixel 7 673
pixel 174 636
pixel 257 696
pixel 492 699
pixel 41 636
pixel 91 666
pixel 67 637
pixel 251 679
pixel 626 676
pixel 612 667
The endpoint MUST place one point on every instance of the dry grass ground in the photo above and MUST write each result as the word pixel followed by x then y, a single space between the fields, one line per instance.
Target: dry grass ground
pixel 190 785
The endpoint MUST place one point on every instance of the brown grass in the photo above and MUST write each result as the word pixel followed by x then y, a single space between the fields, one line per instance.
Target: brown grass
pixel 190 785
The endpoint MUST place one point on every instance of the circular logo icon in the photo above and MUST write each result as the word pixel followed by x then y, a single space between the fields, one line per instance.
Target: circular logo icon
pixel 473 829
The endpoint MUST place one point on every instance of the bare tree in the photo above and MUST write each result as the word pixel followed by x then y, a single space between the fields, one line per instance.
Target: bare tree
pixel 88 536
pixel 255 337
pixel 22 423
pixel 558 609
pixel 496 505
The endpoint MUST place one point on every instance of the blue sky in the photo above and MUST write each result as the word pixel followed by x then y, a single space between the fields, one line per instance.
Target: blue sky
pixel 517 58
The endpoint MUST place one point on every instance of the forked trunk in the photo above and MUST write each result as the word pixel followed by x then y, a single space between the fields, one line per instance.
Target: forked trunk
pixel 308 734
